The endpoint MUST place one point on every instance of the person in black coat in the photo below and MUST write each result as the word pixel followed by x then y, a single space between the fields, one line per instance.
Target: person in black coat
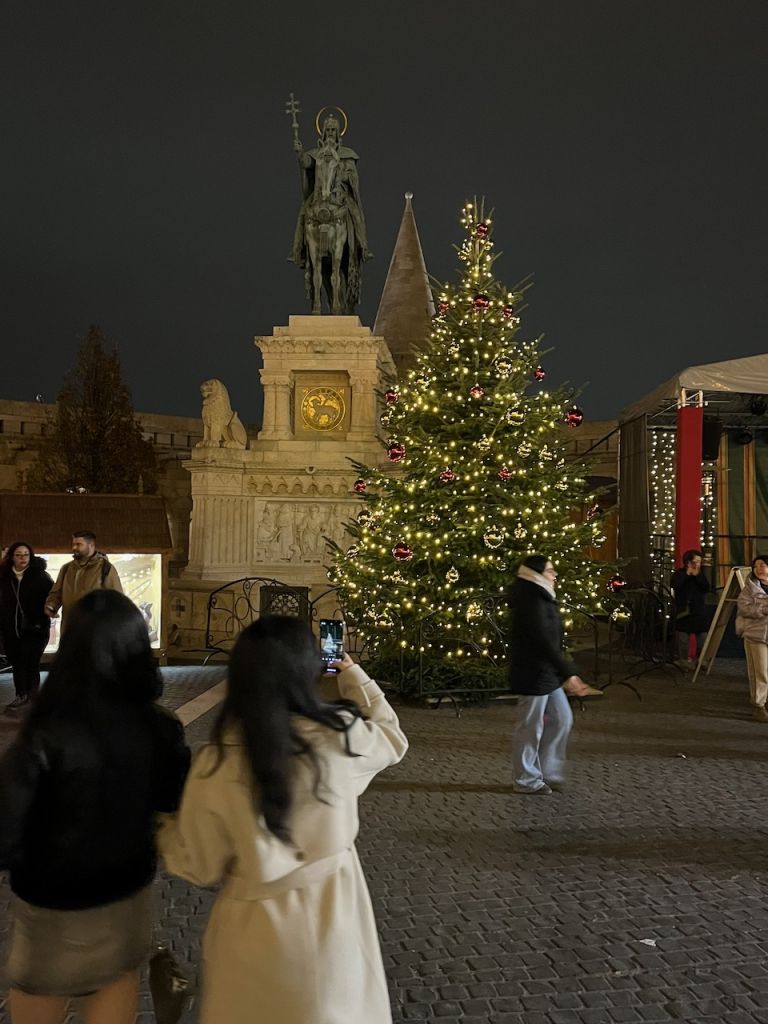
pixel 690 588
pixel 24 626
pixel 538 668
pixel 94 762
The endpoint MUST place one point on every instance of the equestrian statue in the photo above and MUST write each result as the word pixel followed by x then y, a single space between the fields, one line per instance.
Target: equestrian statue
pixel 330 242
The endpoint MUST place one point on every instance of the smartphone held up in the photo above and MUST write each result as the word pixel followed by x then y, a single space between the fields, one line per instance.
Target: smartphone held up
pixel 331 642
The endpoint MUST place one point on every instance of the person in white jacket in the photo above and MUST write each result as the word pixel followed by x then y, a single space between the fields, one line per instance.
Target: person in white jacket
pixel 269 812
pixel 752 624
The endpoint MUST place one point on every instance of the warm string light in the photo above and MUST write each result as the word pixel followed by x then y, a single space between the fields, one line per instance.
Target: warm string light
pixel 476 479
pixel 708 520
pixel 661 472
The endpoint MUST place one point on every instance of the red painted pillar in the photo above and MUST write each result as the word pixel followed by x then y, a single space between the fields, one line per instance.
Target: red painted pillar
pixel 690 423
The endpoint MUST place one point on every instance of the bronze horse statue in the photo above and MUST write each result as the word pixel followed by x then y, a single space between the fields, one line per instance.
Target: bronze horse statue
pixel 330 240
pixel 327 233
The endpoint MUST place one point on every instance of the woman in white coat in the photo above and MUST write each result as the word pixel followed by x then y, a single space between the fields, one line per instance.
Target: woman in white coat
pixel 752 624
pixel 270 813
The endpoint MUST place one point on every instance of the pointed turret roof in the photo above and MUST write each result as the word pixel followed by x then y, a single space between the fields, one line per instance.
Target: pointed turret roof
pixel 406 307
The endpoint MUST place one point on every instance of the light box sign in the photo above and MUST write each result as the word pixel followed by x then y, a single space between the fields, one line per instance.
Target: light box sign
pixel 142 580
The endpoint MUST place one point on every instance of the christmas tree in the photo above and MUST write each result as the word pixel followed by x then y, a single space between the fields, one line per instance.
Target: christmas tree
pixel 476 478
pixel 96 444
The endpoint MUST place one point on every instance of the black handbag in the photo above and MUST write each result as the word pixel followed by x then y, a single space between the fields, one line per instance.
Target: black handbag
pixel 169 986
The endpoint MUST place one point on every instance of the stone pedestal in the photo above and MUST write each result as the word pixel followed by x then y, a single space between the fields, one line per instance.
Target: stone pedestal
pixel 267 510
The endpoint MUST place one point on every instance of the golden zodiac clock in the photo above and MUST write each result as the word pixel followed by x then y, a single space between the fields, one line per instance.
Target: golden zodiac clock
pixel 323 408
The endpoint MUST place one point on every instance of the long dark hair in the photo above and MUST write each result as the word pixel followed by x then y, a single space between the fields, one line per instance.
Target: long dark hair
pixel 6 566
pixel 273 675
pixel 103 666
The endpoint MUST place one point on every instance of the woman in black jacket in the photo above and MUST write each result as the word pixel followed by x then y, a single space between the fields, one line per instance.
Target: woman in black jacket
pixel 690 589
pixel 79 790
pixel 24 626
pixel 538 668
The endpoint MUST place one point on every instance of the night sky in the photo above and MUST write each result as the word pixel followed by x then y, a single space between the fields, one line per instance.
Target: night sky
pixel 149 183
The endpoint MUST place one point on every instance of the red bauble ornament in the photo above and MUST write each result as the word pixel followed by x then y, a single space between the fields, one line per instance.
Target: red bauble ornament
pixel 504 474
pixel 508 311
pixel 482 230
pixel 616 584
pixel 396 451
pixel 402 551
pixel 539 374
pixel 360 486
pixel 391 396
pixel 481 302
pixel 447 476
pixel 443 307
pixel 574 417
pixel 476 391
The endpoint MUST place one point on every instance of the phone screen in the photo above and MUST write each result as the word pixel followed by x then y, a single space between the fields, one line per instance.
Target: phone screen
pixel 331 641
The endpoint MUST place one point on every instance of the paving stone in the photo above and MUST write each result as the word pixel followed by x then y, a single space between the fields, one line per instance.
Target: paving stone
pixel 501 911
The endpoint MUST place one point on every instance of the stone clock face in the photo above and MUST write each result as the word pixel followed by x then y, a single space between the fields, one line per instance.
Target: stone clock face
pixel 323 408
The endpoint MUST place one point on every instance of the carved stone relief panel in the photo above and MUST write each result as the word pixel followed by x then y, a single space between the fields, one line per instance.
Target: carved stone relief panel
pixel 296 533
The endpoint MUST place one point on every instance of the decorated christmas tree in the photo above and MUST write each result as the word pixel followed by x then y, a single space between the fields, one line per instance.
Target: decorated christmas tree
pixel 476 477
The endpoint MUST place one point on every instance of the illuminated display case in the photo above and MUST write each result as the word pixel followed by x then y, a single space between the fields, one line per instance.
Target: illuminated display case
pixel 142 578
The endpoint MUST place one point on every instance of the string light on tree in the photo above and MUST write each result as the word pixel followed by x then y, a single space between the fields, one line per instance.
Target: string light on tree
pixel 479 481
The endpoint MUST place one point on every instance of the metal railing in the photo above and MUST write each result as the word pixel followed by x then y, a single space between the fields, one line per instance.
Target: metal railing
pixel 235 605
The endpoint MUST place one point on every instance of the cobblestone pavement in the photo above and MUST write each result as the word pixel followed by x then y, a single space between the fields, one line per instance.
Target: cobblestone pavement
pixel 636 895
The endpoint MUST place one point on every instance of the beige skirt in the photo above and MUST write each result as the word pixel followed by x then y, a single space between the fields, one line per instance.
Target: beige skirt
pixel 77 952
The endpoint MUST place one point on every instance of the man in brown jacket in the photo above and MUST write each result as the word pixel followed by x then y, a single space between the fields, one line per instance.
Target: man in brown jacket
pixel 88 570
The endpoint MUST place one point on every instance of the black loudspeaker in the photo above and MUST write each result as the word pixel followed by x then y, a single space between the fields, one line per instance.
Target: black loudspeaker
pixel 710 439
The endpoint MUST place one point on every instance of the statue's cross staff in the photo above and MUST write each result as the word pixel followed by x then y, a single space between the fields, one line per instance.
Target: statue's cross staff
pixel 292 108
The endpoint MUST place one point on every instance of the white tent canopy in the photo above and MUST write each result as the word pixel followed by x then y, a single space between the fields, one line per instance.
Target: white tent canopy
pixel 748 376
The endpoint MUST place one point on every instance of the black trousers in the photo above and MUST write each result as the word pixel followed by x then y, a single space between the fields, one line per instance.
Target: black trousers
pixel 24 653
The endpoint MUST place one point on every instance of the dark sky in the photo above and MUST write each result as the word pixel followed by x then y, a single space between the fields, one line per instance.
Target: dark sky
pixel 149 183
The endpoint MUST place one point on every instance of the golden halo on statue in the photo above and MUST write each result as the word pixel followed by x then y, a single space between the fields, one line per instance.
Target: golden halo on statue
pixel 320 114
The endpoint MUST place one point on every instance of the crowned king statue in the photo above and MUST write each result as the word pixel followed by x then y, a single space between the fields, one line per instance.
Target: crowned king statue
pixel 330 242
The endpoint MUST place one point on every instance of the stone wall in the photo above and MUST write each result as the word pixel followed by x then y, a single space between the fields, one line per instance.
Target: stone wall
pixel 23 428
pixel 291 495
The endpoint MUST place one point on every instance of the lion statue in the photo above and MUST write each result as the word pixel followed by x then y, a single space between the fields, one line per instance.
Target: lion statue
pixel 221 426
